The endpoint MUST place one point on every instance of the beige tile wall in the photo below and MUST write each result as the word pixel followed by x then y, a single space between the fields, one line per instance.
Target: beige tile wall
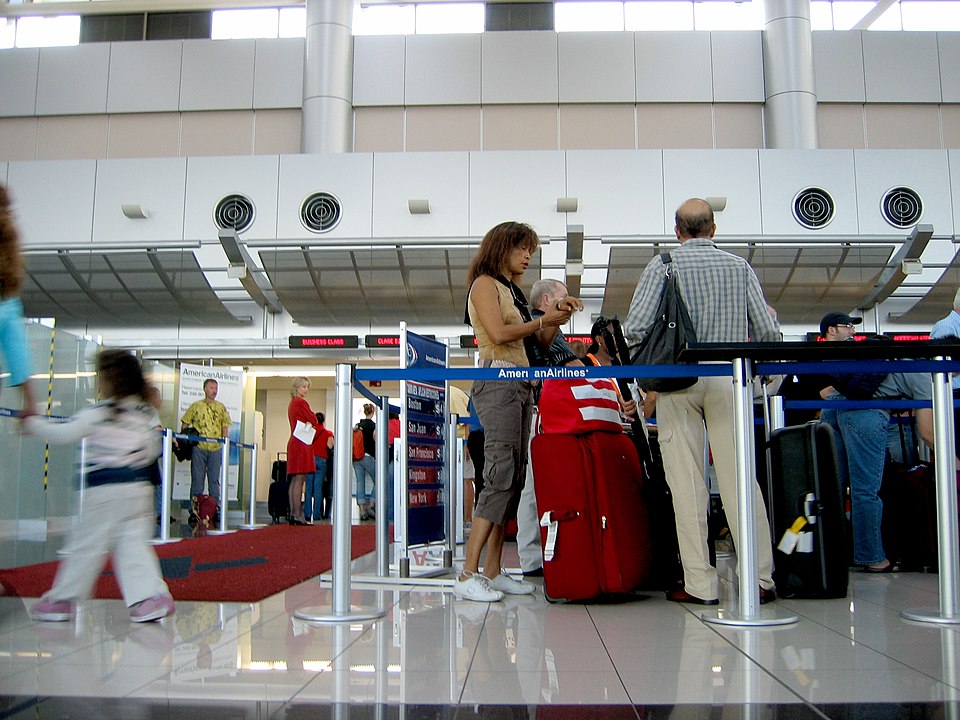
pixel 520 127
pixel 443 127
pixel 673 126
pixel 910 127
pixel 18 139
pixel 451 128
pixel 276 132
pixel 598 127
pixel 216 133
pixel 144 135
pixel 378 129
pixel 738 125
pixel 950 118
pixel 841 127
pixel 72 137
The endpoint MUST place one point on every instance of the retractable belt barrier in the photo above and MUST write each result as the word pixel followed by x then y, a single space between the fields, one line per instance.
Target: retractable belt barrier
pixel 717 360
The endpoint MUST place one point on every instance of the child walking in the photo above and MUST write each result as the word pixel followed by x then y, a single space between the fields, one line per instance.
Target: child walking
pixel 117 514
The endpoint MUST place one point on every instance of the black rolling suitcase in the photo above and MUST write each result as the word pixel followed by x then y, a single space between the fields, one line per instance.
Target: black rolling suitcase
pixel 278 499
pixel 805 484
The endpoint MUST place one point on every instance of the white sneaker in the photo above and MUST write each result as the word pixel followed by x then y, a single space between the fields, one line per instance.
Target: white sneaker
pixel 508 586
pixel 476 587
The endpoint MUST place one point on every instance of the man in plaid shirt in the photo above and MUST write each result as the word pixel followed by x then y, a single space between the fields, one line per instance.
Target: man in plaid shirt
pixel 726 304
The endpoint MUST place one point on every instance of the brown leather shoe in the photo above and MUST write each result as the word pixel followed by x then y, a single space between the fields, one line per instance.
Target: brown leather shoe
pixel 682 596
pixel 767 596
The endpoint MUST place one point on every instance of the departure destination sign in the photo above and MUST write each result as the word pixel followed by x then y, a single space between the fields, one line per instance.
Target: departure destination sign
pixel 386 341
pixel 324 342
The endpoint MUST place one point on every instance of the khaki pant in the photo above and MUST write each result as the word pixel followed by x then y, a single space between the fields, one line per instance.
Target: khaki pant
pixel 504 408
pixel 680 421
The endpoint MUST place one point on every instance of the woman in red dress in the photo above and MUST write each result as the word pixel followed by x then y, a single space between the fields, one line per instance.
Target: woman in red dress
pixel 299 453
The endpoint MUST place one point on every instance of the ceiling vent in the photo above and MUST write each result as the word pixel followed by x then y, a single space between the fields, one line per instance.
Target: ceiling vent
pixel 901 207
pixel 813 208
pixel 234 212
pixel 321 212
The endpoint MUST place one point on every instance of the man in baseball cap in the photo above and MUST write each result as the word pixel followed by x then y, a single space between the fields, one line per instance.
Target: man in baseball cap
pixel 838 326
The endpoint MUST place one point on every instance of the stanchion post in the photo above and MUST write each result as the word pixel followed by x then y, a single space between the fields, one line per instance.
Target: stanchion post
pixel 341 610
pixel 383 502
pixel 224 499
pixel 252 523
pixel 166 473
pixel 748 608
pixel 450 453
pixel 946 489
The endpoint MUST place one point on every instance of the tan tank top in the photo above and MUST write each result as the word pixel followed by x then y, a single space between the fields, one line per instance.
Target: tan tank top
pixel 512 352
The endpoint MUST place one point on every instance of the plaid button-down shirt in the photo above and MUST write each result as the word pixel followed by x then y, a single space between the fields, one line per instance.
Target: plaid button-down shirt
pixel 721 292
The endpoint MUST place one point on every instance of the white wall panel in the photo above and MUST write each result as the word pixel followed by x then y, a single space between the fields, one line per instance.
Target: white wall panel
pixel 948 46
pixel 784 173
pixel 278 73
pixel 349 177
pixel 209 179
pixel 673 67
pixel 597 67
pixel 620 192
pixel 924 171
pixel 838 66
pixel 441 178
pixel 156 184
pixel 217 75
pixel 442 69
pixel 522 186
pixel 53 201
pixel 19 70
pixel 901 67
pixel 953 160
pixel 734 174
pixel 737 66
pixel 73 80
pixel 519 67
pixel 145 76
pixel 378 62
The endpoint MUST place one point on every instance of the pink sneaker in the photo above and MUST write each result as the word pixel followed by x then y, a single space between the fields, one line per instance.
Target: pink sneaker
pixel 52 610
pixel 153 608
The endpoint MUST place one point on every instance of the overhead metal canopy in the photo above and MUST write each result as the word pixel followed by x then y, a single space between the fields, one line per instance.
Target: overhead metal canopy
pixel 802 283
pixel 138 288
pixel 373 285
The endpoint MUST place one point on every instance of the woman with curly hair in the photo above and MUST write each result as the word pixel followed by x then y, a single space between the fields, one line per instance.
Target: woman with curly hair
pixel 501 319
pixel 13 336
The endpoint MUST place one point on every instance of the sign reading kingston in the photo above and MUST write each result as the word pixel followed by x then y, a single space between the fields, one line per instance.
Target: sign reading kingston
pixel 323 342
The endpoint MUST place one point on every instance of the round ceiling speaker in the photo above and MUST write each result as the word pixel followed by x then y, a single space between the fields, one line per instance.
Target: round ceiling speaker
pixel 813 208
pixel 321 212
pixel 234 211
pixel 901 207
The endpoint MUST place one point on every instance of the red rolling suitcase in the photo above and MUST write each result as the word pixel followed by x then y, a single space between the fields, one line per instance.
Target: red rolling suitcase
pixel 594 526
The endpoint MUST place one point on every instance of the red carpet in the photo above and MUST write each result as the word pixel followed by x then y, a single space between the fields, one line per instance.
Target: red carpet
pixel 243 566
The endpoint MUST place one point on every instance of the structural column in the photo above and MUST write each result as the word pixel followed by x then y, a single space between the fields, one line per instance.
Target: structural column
pixel 790 110
pixel 327 118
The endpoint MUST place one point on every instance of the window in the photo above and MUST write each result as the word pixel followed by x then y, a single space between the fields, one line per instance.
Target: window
pixel 293 22
pixel 8 32
pixel 450 18
pixel 670 15
pixel 580 16
pixel 236 24
pixel 728 16
pixel 925 15
pixel 384 20
pixel 48 31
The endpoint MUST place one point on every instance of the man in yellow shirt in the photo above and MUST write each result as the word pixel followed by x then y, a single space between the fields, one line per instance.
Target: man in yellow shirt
pixel 211 419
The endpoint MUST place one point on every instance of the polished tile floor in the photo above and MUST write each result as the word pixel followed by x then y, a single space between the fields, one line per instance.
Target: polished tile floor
pixel 433 657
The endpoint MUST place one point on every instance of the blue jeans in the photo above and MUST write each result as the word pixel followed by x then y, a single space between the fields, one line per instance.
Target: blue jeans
pixel 313 490
pixel 205 465
pixel 363 469
pixel 863 438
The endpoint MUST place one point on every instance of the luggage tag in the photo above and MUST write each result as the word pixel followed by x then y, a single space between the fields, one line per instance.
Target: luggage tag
pixel 548 522
pixel 788 543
